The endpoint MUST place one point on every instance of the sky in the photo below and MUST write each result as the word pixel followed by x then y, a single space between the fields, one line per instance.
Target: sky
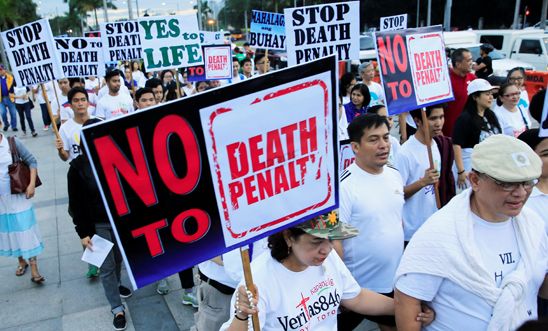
pixel 52 8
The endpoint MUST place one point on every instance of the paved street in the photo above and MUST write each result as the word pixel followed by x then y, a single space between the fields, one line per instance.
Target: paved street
pixel 68 300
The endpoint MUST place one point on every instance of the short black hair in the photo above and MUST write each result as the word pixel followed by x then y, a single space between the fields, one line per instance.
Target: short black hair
pixel 246 44
pixel 531 138
pixel 458 55
pixel 244 61
pixel 416 113
pixel 141 91
pixel 536 105
pixel 358 125
pixel 73 81
pixel 235 59
pixel 375 109
pixel 112 73
pixel 278 246
pixel 75 90
pixel 153 83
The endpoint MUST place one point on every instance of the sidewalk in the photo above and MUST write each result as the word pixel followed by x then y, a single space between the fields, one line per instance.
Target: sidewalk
pixel 68 300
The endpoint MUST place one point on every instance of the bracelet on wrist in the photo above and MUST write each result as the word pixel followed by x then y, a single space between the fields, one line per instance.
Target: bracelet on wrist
pixel 241 319
pixel 460 172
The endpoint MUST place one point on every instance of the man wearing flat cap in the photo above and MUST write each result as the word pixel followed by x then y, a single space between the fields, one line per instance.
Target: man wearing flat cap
pixel 482 259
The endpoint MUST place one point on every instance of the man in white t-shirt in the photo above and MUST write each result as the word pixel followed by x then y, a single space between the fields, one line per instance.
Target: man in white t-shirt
pixel 367 73
pixel 60 102
pixel 371 199
pixel 481 259
pixel 68 145
pixel 115 103
pixel 419 177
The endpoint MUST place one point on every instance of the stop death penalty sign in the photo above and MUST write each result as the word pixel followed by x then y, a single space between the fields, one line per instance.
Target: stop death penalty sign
pixel 316 31
pixel 31 53
pixel 170 42
pixel 121 41
pixel 81 57
pixel 192 179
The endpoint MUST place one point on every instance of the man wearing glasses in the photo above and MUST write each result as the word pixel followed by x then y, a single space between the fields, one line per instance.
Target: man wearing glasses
pixel 482 259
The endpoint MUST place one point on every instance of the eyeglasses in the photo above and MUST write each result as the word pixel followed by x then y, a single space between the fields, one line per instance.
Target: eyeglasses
pixel 263 62
pixel 517 94
pixel 510 187
pixel 515 78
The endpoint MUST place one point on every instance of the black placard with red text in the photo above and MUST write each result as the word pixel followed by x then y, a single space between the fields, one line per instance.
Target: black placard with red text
pixel 153 169
pixel 413 68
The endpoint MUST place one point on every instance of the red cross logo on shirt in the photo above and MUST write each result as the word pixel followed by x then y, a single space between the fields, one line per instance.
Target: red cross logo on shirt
pixel 303 304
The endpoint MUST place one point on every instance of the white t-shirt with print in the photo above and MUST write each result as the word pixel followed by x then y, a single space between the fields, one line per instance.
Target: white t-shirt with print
pixel 412 161
pixel 19 92
pixel 512 123
pixel 372 203
pixel 538 202
pixel 114 106
pixel 377 94
pixel 457 308
pixel 394 149
pixel 57 107
pixel 70 135
pixel 306 300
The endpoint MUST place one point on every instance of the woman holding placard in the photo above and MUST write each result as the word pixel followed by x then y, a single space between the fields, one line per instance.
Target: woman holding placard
pixel 302 282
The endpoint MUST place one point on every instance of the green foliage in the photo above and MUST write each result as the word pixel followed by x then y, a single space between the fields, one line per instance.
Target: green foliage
pixel 16 12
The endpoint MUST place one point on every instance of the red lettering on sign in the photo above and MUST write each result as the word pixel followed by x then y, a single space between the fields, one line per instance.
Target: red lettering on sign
pixel 178 226
pixel 392 53
pixel 115 165
pixel 152 237
pixel 167 128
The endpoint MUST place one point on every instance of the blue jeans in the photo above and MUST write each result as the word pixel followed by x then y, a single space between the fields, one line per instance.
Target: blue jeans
pixel 6 102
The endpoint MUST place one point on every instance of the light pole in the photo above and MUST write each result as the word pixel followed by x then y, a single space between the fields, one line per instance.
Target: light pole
pixel 105 10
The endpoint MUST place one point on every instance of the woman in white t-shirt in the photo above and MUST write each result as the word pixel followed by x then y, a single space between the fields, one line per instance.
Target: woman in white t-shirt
pixel 303 282
pixel 513 119
pixel 516 76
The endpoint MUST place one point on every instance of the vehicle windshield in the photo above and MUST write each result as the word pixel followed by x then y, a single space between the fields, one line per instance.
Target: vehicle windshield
pixel 367 42
pixel 495 54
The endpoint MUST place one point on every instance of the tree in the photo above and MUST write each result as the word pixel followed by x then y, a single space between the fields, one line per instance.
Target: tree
pixel 205 10
pixel 14 13
pixel 81 8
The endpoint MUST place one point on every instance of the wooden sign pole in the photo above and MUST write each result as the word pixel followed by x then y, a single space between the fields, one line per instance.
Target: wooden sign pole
pixel 428 140
pixel 45 95
pixel 244 253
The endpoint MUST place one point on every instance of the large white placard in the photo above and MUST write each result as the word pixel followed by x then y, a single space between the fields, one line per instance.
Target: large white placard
pixel 31 53
pixel 218 62
pixel 81 57
pixel 121 41
pixel 428 67
pixel 279 169
pixel 170 42
pixel 316 31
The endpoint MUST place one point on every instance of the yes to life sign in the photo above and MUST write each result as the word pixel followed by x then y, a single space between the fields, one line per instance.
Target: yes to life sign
pixel 190 180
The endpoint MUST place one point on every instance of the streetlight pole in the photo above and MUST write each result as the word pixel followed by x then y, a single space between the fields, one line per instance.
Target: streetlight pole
pixel 130 9
pixel 105 10
pixel 429 14
pixel 516 15
pixel 137 7
pixel 418 11
pixel 447 15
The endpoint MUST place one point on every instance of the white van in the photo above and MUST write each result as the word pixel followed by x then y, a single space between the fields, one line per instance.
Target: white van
pixel 467 39
pixel 528 45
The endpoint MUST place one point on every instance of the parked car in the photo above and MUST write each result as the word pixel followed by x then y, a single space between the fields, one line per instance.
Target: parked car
pixel 527 45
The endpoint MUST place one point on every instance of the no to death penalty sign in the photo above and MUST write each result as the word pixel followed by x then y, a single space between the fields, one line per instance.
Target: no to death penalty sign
pixel 189 180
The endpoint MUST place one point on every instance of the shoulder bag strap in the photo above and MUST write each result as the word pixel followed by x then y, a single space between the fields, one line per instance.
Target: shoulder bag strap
pixel 523 118
pixel 13 149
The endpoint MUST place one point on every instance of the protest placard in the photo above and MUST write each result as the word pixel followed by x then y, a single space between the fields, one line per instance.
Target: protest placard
pixel 413 68
pixel 267 30
pixel 543 131
pixel 121 41
pixel 212 38
pixel 397 22
pixel 178 193
pixel 80 57
pixel 170 42
pixel 217 64
pixel 316 31
pixel 346 155
pixel 31 53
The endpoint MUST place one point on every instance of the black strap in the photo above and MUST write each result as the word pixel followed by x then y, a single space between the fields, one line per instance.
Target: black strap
pixel 523 118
